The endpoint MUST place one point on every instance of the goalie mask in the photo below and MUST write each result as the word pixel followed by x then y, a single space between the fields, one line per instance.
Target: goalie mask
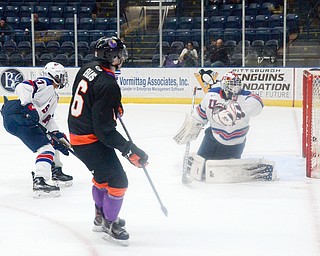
pixel 231 85
pixel 56 73
pixel 110 51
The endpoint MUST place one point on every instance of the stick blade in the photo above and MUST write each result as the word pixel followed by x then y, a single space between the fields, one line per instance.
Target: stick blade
pixel 164 210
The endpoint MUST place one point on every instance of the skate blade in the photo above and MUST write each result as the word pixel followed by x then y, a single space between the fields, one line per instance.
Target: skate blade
pixel 186 179
pixel 43 194
pixel 97 228
pixel 62 183
pixel 115 241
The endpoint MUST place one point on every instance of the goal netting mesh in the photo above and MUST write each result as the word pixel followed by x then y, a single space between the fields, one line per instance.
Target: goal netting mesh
pixel 311 122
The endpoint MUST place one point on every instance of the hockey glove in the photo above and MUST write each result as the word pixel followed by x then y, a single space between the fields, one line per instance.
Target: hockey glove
pixel 31 115
pixel 62 144
pixel 189 130
pixel 120 110
pixel 135 155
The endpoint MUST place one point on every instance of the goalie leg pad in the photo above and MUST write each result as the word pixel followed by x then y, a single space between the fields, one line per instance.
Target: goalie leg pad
pixel 239 170
pixel 195 166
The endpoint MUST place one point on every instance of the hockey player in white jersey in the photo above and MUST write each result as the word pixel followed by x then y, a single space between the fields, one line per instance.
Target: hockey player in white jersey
pixel 228 110
pixel 30 116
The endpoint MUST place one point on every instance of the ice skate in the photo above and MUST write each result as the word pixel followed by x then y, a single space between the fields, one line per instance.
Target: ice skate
pixel 42 189
pixel 60 178
pixel 115 233
pixel 97 223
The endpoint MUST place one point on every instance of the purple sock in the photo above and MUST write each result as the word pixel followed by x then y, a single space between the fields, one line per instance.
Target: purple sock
pixel 97 195
pixel 111 206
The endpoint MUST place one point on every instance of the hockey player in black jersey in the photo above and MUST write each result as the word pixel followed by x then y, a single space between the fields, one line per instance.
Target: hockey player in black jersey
pixel 95 104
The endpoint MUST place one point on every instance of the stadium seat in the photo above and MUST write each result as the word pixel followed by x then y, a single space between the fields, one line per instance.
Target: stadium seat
pixel 197 23
pixel 86 24
pixel 215 33
pixel 113 23
pixel 12 11
pixel 4 59
pixel 41 10
pixel 293 22
pixel 170 23
pixel 261 21
pixel 232 34
pixel 217 22
pixel 25 11
pixel 176 47
pixel 249 21
pixel 263 33
pixel 45 58
pixel 16 60
pixel 96 34
pixel 68 11
pixel 257 47
pixel 53 47
pixel 211 10
pixel 69 23
pixel 266 8
pixel 9 47
pixel 252 59
pixel 83 35
pixel 236 60
pixel 84 12
pixel 67 47
pixel 253 9
pixel 72 60
pixel 62 59
pixel 28 60
pixel 101 24
pixel 226 9
pixel 83 48
pixel 182 35
pixel 230 46
pixel 233 22
pixel 270 49
pixel 55 11
pixel 88 58
pixel 168 35
pixel 276 20
pixel 40 48
pixel 57 23
pixel 92 47
pixel 155 60
pixel 165 47
pixel 14 22
pixel 185 23
pixel 24 47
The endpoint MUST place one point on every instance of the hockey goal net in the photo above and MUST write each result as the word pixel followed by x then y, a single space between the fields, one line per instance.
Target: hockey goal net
pixel 311 122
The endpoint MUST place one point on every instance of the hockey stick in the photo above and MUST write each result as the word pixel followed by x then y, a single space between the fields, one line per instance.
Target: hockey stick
pixel 163 208
pixel 186 177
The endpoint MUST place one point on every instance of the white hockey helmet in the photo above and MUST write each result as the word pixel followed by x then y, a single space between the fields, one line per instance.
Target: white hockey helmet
pixel 57 73
pixel 231 85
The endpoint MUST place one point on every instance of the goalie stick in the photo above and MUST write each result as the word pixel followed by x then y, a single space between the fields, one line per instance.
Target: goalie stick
pixel 186 174
pixel 163 208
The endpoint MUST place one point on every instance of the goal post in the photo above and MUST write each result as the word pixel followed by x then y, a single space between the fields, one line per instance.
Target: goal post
pixel 311 122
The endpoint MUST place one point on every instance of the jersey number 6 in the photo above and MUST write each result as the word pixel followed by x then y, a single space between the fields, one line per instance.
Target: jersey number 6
pixel 77 104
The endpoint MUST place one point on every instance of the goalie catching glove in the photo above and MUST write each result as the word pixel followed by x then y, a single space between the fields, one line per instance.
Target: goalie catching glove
pixel 62 144
pixel 135 155
pixel 189 131
pixel 228 114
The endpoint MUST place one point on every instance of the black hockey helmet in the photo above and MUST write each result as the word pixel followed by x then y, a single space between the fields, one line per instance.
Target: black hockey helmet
pixel 107 49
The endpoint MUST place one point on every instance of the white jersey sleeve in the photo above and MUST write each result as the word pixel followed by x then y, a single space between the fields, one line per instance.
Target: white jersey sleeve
pixel 41 93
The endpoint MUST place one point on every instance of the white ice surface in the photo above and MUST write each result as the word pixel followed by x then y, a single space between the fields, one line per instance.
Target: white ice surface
pixel 248 219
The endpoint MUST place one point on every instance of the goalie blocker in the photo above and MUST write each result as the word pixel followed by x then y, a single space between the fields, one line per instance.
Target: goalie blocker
pixel 231 170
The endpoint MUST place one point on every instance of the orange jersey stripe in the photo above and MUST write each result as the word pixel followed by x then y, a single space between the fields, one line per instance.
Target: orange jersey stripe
pixel 119 192
pixel 77 140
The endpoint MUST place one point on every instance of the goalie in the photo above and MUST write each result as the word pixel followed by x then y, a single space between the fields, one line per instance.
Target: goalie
pixel 228 110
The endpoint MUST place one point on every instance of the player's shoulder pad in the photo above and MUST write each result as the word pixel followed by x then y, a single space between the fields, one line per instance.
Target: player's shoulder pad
pixel 91 72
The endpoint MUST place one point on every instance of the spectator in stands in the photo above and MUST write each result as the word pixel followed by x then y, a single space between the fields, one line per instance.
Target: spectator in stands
pixel 216 54
pixel 189 56
pixel 38 25
pixel 6 30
